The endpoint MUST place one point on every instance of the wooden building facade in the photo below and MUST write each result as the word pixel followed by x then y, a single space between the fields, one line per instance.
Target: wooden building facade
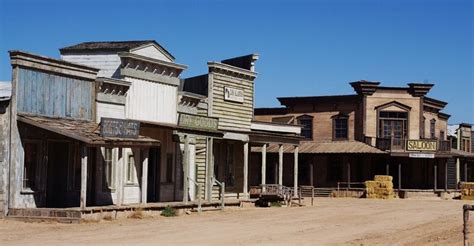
pixel 54 140
pixel 378 130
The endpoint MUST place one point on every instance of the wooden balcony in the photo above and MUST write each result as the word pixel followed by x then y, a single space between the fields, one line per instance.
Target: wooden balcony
pixel 391 144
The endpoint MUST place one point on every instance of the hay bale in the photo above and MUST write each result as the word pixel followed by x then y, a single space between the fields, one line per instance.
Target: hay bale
pixel 467 191
pixel 386 178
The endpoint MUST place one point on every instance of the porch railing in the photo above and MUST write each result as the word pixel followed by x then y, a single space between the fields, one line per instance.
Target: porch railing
pixel 221 189
pixel 400 144
pixel 199 193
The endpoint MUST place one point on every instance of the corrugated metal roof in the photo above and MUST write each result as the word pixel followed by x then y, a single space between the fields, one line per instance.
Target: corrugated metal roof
pixel 82 130
pixel 332 147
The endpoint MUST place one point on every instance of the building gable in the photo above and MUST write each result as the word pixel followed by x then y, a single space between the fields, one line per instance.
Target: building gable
pixel 152 50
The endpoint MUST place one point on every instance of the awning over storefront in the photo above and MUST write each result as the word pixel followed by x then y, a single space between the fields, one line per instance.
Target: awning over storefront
pixel 333 147
pixel 462 154
pixel 83 131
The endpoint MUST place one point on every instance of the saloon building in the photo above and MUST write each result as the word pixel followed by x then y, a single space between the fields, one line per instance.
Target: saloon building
pixel 398 131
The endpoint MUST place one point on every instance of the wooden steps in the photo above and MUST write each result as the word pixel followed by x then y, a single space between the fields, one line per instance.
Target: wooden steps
pixel 44 214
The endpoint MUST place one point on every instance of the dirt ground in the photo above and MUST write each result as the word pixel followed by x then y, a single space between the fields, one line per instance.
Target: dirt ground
pixel 332 221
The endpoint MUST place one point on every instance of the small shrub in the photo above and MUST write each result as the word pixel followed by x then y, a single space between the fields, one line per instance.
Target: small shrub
pixel 168 212
pixel 137 214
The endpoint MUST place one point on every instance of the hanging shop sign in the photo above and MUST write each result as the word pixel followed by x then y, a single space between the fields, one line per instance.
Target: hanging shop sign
pixel 422 155
pixel 233 94
pixel 197 122
pixel 422 145
pixel 111 127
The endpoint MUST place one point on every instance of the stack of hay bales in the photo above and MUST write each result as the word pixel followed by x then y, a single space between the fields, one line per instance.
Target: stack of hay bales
pixel 380 188
pixel 467 191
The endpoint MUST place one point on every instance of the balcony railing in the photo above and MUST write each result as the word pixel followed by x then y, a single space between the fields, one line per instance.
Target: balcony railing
pixel 394 144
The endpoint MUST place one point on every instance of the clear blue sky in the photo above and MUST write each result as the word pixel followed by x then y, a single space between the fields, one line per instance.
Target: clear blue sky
pixel 306 47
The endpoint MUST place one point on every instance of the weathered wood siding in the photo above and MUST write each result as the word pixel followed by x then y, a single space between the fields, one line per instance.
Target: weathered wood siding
pixel 4 130
pixel 110 110
pixel 53 95
pixel 151 101
pixel 152 52
pixel 108 63
pixel 232 115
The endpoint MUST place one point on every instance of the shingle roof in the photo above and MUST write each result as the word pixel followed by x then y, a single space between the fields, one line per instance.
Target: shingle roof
pixel 332 147
pixel 110 46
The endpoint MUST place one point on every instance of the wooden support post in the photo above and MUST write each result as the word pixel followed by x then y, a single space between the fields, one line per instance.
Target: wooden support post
pixel 299 196
pixel 435 178
pixel 312 196
pixel 311 174
pixel 466 209
pixel 210 171
pixel 246 170
pixel 387 169
pixel 186 169
pixel 144 187
pixel 295 173
pixel 222 195
pixel 399 176
pixel 465 172
pixel 83 198
pixel 349 175
pixel 446 176
pixel 264 164
pixel 280 164
pixel 199 193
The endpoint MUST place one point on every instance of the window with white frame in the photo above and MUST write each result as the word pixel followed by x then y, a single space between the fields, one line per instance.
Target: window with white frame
pixel 131 171
pixel 109 169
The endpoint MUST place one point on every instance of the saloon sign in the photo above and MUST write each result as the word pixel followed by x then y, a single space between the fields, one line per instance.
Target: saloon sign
pixel 422 145
pixel 233 94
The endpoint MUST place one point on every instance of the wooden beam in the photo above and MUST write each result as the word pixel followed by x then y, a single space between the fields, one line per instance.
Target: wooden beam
pixel 186 169
pixel 246 169
pixel 446 176
pixel 83 196
pixel 264 164
pixel 210 168
pixel 399 176
pixel 349 175
pixel 295 173
pixel 280 164
pixel 144 187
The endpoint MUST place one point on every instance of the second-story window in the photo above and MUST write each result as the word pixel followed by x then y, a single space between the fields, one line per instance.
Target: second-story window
pixel 307 122
pixel 341 128
pixel 433 129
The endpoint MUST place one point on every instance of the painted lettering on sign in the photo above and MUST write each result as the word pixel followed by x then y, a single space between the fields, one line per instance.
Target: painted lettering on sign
pixel 197 122
pixel 422 155
pixel 233 94
pixel 110 127
pixel 422 145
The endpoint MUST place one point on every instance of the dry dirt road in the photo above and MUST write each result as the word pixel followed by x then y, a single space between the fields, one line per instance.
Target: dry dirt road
pixel 335 221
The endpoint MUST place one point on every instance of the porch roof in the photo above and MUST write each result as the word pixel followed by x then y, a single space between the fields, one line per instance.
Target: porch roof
pixel 330 147
pixel 461 153
pixel 83 131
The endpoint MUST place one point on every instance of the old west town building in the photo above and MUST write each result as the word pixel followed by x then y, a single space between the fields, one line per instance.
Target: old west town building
pixel 398 131
pixel 112 126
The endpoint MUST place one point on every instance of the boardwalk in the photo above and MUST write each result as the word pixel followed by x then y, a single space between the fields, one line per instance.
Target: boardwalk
pixel 331 221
